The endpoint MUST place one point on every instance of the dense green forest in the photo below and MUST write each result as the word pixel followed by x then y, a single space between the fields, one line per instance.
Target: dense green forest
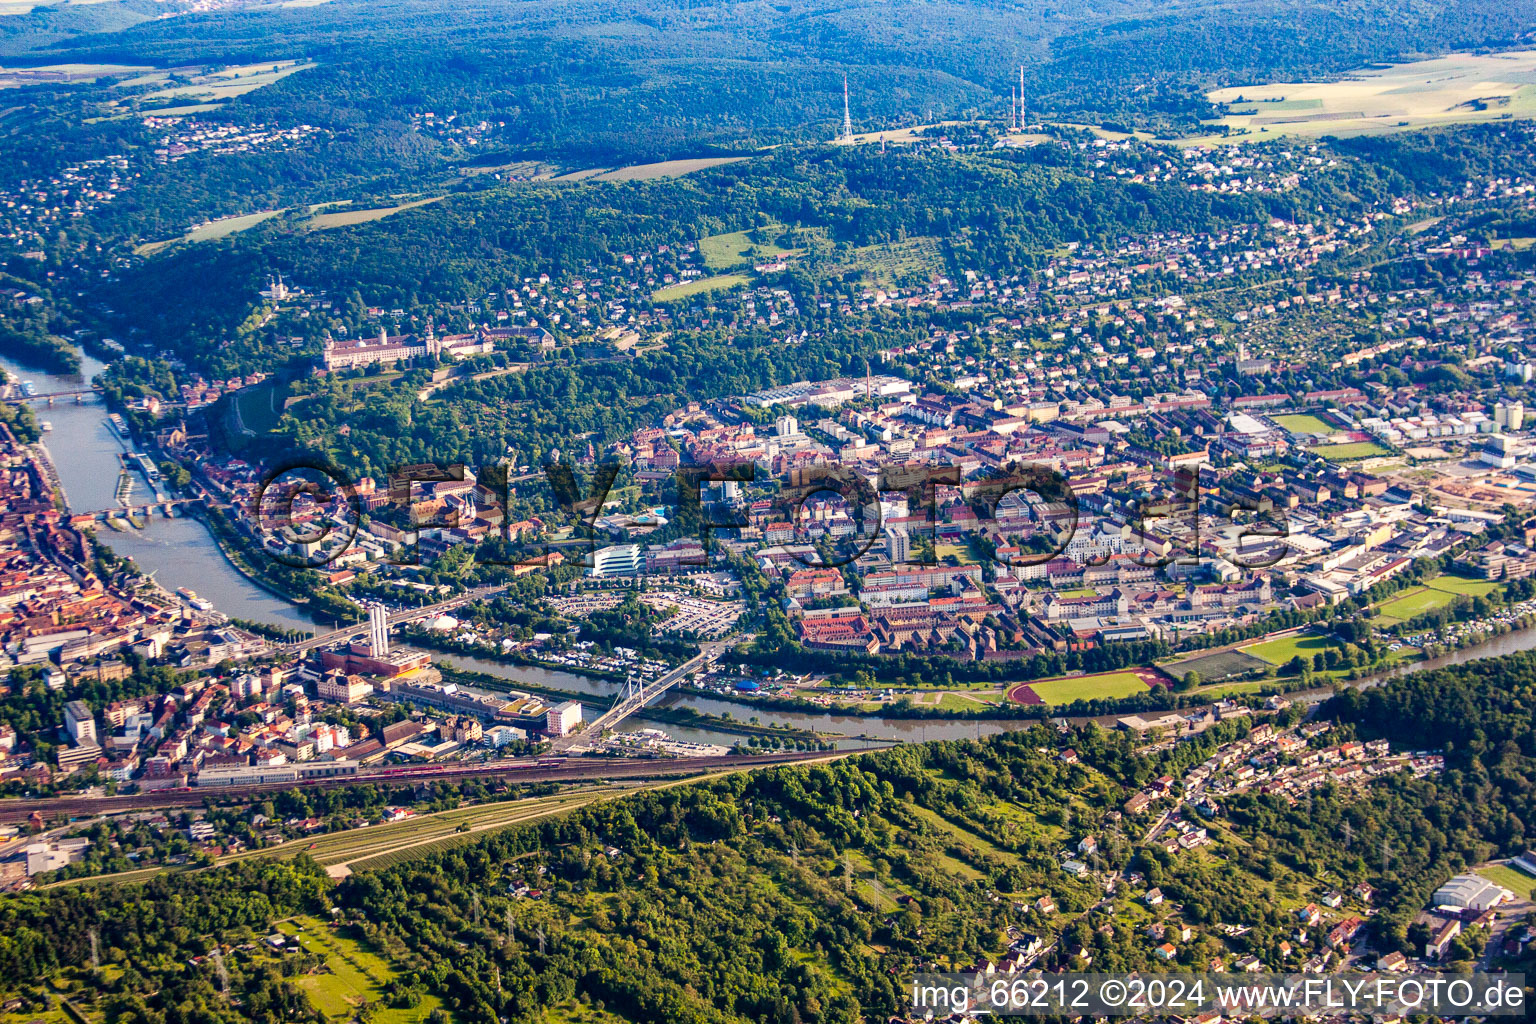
pixel 598 81
pixel 808 893
pixel 606 84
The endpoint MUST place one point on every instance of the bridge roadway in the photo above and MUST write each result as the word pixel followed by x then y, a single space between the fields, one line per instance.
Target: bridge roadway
pixel 400 618
pixel 143 509
pixel 20 399
pixel 626 706
pixel 519 770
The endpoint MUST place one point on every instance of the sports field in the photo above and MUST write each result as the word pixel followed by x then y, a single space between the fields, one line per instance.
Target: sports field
pixel 1283 649
pixel 1217 666
pixel 1414 602
pixel 688 289
pixel 1348 452
pixel 1511 878
pixel 1304 424
pixel 1101 686
pixel 1454 584
pixel 1459 88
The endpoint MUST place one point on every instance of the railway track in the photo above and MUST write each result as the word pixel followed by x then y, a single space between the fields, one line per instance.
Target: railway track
pixel 574 770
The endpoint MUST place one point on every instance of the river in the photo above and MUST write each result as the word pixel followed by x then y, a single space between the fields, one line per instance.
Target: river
pixel 181 553
pixel 852 726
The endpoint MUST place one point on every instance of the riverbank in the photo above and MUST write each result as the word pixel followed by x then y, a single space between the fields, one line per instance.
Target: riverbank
pixel 668 715
pixel 235 548
pixel 418 637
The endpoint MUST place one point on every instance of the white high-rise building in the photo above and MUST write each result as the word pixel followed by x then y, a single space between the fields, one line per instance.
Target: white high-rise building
pixel 80 722
pixel 378 630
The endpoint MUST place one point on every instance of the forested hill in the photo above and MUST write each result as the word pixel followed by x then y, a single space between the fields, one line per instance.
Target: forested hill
pixel 808 893
pixel 997 210
pixel 990 210
pixel 1483 714
pixel 600 81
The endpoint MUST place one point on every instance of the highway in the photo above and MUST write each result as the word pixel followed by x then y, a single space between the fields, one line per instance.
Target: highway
pixel 523 770
pixel 356 632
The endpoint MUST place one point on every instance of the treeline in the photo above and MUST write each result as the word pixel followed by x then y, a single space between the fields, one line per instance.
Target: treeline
pixel 29 344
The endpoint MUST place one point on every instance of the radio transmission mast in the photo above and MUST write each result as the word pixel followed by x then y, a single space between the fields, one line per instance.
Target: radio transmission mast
pixel 1021 97
pixel 847 119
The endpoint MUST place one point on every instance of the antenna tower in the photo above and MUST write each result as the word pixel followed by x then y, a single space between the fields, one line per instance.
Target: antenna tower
pixel 847 120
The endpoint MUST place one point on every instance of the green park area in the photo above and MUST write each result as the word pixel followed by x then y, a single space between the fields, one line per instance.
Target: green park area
pixel 737 248
pixel 257 408
pixel 350 976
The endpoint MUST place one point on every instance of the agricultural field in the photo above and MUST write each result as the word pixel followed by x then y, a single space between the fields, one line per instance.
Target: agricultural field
pixel 1101 686
pixel 226 84
pixel 736 248
pixel 353 975
pixel 347 218
pixel 648 172
pixel 895 136
pixel 1217 666
pixel 718 283
pixel 1455 89
pixel 211 231
pixel 575 1011
pixel 666 168
pixel 1349 452
pixel 1283 649
pixel 1304 424
pixel 46 1016
pixel 12 78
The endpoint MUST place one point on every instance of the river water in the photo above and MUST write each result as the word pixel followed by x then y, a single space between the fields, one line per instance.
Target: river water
pixel 181 553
